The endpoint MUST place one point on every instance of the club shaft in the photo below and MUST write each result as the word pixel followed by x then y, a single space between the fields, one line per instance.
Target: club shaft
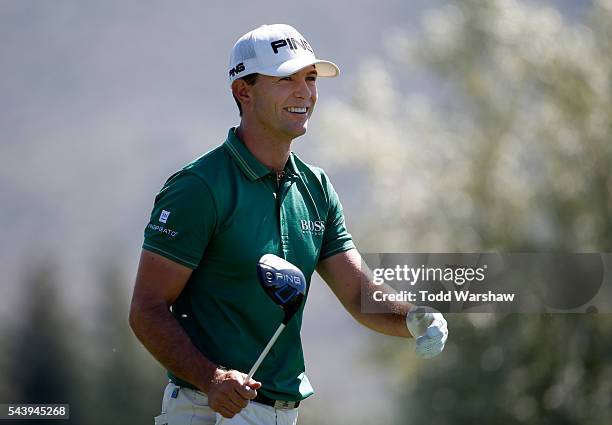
pixel 261 357
pixel 265 351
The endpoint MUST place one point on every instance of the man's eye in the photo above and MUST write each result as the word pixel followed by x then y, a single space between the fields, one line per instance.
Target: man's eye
pixel 286 79
pixel 313 78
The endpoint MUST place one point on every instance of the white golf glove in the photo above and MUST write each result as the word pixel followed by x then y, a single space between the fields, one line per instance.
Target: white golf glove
pixel 428 327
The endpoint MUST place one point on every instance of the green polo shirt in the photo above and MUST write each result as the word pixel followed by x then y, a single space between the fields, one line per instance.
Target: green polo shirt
pixel 218 216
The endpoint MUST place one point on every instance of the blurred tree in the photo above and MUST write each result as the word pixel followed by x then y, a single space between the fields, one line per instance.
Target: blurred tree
pixel 515 154
pixel 50 357
pixel 127 382
pixel 512 153
pixel 515 369
pixel 42 362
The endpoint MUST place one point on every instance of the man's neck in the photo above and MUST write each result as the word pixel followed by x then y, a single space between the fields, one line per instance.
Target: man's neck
pixel 271 151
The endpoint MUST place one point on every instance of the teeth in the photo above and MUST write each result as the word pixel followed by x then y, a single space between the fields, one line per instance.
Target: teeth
pixel 297 110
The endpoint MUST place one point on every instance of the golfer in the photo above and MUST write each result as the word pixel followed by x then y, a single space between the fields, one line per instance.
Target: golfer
pixel 197 305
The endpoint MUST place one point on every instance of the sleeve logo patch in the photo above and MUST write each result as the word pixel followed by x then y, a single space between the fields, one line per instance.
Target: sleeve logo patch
pixel 163 230
pixel 163 218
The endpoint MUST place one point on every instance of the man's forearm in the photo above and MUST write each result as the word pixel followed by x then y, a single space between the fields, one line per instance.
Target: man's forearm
pixel 390 321
pixel 347 276
pixel 159 331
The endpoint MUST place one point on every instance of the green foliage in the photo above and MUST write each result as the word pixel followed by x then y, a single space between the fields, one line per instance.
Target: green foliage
pixel 511 152
pixel 518 369
pixel 129 380
pixel 40 366
pixel 98 368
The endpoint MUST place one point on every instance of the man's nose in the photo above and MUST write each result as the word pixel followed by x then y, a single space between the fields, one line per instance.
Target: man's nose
pixel 303 90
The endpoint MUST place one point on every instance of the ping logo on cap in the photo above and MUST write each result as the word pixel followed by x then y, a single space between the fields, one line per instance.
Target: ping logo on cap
pixel 237 69
pixel 292 43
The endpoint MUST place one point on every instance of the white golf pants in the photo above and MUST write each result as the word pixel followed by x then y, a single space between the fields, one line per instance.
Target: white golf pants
pixel 184 406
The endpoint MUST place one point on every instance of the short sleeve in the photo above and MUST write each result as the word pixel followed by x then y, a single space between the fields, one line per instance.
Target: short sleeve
pixel 182 221
pixel 336 238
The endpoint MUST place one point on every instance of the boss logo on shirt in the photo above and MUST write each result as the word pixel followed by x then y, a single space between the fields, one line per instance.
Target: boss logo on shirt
pixel 312 226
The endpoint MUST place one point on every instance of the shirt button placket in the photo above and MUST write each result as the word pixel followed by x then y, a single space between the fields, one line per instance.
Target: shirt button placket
pixel 284 232
pixel 284 229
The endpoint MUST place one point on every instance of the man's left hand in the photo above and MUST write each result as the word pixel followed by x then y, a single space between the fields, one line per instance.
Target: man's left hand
pixel 430 330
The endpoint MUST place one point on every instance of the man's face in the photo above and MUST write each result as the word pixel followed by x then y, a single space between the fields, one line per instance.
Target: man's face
pixel 283 105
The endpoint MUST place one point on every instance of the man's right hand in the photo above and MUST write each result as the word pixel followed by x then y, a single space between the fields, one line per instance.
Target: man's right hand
pixel 228 393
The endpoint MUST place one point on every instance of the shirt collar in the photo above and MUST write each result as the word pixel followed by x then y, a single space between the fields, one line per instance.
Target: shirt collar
pixel 290 167
pixel 247 162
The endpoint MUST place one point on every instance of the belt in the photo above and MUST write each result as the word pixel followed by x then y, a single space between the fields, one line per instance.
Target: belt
pixel 277 404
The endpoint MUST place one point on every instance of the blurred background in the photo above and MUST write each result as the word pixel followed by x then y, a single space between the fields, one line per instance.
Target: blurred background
pixel 460 126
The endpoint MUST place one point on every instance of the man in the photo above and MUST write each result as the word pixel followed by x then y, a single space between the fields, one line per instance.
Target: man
pixel 197 305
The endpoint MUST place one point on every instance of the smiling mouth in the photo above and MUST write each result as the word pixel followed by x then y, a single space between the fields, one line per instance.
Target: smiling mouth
pixel 297 110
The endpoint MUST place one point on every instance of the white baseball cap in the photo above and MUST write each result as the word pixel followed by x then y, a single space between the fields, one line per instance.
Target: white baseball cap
pixel 277 50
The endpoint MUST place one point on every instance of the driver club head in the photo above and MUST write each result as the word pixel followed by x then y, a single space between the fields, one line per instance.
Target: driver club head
pixel 284 283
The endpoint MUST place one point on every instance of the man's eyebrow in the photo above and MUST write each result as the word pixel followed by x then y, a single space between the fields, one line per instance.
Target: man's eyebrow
pixel 313 72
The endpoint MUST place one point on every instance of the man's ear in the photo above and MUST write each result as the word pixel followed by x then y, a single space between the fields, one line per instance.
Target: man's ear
pixel 242 91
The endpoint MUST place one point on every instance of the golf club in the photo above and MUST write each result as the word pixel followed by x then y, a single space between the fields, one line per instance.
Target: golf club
pixel 285 284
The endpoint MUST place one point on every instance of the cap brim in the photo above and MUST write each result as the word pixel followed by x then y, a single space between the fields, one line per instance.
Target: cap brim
pixel 324 68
